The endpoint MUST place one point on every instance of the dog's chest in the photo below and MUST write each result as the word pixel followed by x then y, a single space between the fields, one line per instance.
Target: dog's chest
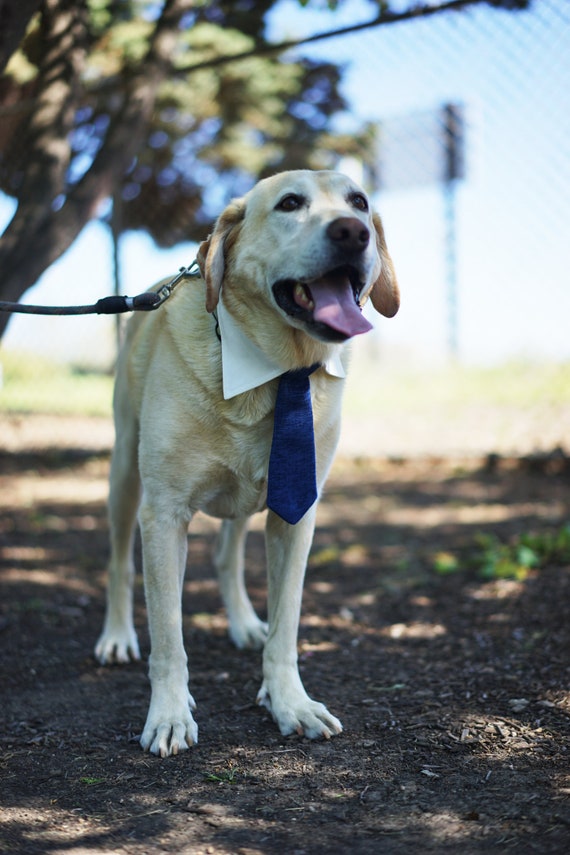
pixel 227 476
pixel 234 496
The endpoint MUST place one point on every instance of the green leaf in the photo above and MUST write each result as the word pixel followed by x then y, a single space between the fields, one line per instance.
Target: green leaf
pixel 445 563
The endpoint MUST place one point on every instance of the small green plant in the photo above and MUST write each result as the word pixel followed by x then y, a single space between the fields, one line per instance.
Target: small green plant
pixel 226 776
pixel 495 559
pixel 445 563
pixel 550 546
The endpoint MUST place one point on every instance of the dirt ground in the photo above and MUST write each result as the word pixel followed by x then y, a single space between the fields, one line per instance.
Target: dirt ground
pixel 453 690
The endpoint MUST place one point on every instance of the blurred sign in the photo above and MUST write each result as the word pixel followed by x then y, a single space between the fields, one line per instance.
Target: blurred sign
pixel 421 148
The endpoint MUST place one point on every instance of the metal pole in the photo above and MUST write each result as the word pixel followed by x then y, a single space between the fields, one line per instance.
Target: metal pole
pixel 450 216
pixel 453 171
pixel 116 228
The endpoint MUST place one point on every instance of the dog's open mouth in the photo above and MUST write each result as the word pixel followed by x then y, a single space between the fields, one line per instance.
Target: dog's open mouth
pixel 328 305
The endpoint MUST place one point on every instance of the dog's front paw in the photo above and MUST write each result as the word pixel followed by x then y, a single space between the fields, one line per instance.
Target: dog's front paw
pixel 117 644
pixel 298 713
pixel 169 730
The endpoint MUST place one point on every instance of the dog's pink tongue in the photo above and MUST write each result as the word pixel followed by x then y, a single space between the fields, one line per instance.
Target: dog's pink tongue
pixel 335 305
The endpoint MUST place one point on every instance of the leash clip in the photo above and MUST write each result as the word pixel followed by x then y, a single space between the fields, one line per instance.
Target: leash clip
pixel 163 293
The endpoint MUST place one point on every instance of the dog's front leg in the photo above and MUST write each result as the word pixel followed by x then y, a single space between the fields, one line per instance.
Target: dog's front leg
pixel 169 727
pixel 282 690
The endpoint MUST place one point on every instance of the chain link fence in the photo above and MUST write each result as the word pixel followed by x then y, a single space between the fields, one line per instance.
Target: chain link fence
pixel 510 73
pixel 483 258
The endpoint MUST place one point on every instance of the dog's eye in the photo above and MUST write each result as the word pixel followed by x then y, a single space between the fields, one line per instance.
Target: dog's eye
pixel 290 202
pixel 359 201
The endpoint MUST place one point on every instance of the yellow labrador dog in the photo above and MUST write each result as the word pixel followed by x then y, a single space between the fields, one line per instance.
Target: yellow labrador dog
pixel 285 274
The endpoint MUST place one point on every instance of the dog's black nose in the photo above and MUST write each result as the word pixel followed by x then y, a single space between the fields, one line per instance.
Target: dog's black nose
pixel 349 234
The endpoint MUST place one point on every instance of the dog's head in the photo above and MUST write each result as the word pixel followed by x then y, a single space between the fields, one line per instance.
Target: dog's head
pixel 309 244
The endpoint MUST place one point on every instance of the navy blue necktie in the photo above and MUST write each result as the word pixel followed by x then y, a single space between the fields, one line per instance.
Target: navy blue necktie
pixel 292 479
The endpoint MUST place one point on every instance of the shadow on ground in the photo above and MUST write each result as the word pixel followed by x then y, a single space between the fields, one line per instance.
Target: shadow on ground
pixel 453 690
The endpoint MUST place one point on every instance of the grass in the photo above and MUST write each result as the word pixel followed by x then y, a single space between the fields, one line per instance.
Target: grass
pixel 30 384
pixel 512 384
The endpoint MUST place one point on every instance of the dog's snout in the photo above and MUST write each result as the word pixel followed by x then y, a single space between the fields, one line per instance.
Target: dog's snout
pixel 349 233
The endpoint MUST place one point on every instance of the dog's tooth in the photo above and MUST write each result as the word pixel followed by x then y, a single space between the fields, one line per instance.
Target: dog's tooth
pixel 302 296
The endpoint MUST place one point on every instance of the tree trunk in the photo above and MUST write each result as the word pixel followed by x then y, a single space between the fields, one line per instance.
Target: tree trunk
pixel 45 150
pixel 42 231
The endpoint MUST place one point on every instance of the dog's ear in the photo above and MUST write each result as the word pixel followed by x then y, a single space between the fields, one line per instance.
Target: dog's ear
pixel 385 294
pixel 212 251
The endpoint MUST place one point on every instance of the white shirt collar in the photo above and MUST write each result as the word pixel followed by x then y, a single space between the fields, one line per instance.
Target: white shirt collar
pixel 245 366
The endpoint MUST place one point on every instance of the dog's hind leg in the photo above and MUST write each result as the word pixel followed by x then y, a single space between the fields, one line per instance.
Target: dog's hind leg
pixel 118 640
pixel 245 628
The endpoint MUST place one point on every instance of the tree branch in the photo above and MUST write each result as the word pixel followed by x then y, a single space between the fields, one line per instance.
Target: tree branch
pixel 382 19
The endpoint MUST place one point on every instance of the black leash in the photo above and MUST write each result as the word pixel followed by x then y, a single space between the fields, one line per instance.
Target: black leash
pixel 148 301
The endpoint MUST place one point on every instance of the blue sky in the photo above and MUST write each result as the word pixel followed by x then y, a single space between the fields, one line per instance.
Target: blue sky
pixel 512 73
